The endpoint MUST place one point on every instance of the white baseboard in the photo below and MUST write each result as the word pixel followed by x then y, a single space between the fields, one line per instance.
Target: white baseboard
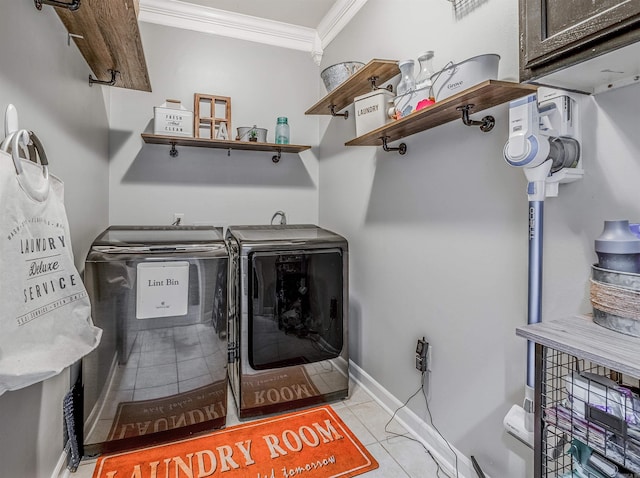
pixel 420 429
pixel 60 471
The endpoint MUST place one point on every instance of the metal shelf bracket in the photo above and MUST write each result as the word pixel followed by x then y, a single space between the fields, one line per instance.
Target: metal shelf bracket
pixel 110 82
pixel 72 6
pixel 486 124
pixel 173 152
pixel 345 115
pixel 401 149
pixel 373 80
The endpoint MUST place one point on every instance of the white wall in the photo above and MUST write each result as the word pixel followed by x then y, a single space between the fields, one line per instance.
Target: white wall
pixel 47 81
pixel 438 241
pixel 147 186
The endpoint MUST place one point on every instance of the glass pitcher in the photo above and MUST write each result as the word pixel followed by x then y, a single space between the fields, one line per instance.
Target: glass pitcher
pixel 423 79
pixel 407 82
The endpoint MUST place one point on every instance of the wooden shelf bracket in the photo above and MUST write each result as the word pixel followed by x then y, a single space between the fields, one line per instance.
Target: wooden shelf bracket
pixel 72 6
pixel 110 82
pixel 486 124
pixel 401 149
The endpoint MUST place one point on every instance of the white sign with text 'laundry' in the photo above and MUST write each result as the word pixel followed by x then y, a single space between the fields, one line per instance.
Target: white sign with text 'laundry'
pixel 162 289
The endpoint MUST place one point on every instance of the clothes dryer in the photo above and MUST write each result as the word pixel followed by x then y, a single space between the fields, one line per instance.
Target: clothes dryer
pixel 288 303
pixel 160 372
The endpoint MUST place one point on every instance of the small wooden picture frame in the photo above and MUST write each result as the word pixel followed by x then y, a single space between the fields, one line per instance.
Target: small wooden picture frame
pixel 211 116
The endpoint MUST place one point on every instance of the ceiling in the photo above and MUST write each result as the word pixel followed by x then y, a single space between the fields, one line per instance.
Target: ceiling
pixel 307 25
pixel 305 13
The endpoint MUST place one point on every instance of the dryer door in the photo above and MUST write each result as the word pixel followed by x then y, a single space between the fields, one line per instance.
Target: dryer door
pixel 295 307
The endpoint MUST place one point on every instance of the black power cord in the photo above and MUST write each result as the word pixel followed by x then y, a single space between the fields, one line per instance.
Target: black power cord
pixel 430 422
pixel 477 468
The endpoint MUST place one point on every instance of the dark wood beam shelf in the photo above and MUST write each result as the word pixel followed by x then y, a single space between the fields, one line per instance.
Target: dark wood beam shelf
pixel 174 141
pixel 357 84
pixel 485 95
pixel 107 35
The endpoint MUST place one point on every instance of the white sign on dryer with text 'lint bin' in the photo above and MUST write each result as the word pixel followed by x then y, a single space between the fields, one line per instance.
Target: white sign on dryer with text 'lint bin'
pixel 163 289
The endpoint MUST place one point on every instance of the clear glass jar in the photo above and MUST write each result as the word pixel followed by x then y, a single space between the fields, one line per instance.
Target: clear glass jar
pixel 423 79
pixel 407 82
pixel 282 131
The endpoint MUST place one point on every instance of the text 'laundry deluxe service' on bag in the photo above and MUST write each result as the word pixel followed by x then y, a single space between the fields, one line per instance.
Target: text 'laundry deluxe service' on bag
pixel 45 314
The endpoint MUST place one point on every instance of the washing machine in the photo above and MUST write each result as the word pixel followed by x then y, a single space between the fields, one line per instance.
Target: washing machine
pixel 159 293
pixel 288 303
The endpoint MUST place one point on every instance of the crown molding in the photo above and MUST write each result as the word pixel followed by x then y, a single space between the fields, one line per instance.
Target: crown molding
pixel 178 14
pixel 189 16
pixel 337 18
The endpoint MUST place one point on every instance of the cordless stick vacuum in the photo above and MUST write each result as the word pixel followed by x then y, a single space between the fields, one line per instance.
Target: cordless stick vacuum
pixel 542 140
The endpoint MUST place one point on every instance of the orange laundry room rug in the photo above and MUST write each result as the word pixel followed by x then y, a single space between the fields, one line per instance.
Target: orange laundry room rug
pixel 312 443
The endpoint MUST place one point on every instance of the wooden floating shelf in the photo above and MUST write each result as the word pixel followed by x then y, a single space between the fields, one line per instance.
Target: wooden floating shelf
pixel 485 95
pixel 107 35
pixel 356 85
pixel 223 144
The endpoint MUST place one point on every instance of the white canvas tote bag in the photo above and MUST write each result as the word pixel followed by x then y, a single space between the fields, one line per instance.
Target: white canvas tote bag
pixel 45 314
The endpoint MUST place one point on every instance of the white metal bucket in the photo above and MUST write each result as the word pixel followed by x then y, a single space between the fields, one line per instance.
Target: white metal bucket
pixel 460 76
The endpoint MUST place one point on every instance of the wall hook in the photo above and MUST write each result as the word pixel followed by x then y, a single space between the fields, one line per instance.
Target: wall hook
pixel 110 82
pixel 373 80
pixel 72 6
pixel 10 120
pixel 401 149
pixel 173 152
pixel 276 157
pixel 345 115
pixel 486 125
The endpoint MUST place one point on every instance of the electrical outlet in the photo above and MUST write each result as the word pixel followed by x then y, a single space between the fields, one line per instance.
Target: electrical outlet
pixel 178 219
pixel 422 351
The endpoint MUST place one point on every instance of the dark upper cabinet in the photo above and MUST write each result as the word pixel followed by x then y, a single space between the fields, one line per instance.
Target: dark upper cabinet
pixel 555 34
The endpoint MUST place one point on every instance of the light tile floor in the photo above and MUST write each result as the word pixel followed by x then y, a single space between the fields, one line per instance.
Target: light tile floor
pixel 163 362
pixel 398 457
